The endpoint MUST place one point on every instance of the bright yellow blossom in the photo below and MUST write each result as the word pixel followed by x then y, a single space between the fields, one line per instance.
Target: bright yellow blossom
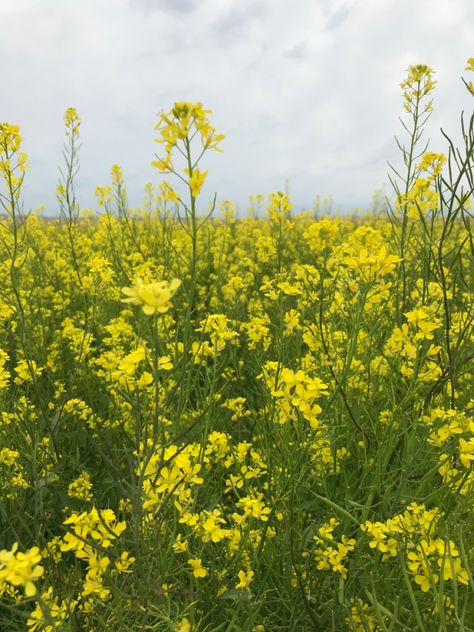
pixel 198 569
pixel 245 579
pixel 155 297
pixel 196 182
pixel 21 569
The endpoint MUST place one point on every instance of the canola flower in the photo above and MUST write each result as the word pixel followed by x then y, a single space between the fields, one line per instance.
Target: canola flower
pixel 178 125
pixel 245 579
pixel 469 84
pixel 198 569
pixel 72 121
pixel 155 297
pixel 184 625
pixel 21 569
pixel 196 181
pixel 418 84
pixel 13 165
pixel 53 611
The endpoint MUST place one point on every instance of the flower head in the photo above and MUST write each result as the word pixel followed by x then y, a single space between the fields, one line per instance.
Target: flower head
pixel 245 578
pixel 469 84
pixel 418 84
pixel 21 569
pixel 155 297
pixel 72 122
pixel 196 182
pixel 198 568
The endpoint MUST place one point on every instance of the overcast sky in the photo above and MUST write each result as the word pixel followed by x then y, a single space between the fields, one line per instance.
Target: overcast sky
pixel 304 90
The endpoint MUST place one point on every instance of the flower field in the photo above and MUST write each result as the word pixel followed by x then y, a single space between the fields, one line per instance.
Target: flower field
pixel 251 422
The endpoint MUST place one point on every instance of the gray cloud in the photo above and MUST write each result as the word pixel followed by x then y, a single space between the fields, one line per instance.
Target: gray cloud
pixel 237 18
pixel 298 51
pixel 176 6
pixel 337 18
pixel 336 12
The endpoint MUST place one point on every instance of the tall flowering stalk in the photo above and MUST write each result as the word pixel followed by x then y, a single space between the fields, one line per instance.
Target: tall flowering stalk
pixel 65 189
pixel 417 88
pixel 12 173
pixel 431 197
pixel 185 131
pixel 13 234
pixel 186 134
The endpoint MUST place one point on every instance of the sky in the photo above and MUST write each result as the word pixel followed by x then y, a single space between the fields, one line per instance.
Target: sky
pixel 305 91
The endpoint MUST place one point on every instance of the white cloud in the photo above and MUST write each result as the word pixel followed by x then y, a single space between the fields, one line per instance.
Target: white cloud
pixel 307 91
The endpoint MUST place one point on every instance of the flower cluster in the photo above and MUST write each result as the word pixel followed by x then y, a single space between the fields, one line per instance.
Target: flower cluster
pixel 21 569
pixel 428 556
pixel 331 554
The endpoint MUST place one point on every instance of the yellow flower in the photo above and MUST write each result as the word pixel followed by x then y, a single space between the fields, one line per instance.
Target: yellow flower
pixel 21 569
pixel 4 374
pixel 171 195
pixel 72 121
pixel 164 363
pixel 116 175
pixel 24 371
pixel 51 610
pixel 10 138
pixel 432 162
pixel 155 297
pixel 198 568
pixel 419 83
pixel 245 579
pixel 254 506
pixel 103 194
pixel 81 487
pixel 180 545
pixel 129 363
pixel 8 457
pixel 145 379
pixel 124 563
pixel 96 525
pixel 211 522
pixel 279 206
pixel 470 66
pixel 196 182
pixel 184 625
pixel 466 452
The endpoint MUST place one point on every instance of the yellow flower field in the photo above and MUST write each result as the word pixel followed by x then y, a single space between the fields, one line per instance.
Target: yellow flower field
pixel 238 422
